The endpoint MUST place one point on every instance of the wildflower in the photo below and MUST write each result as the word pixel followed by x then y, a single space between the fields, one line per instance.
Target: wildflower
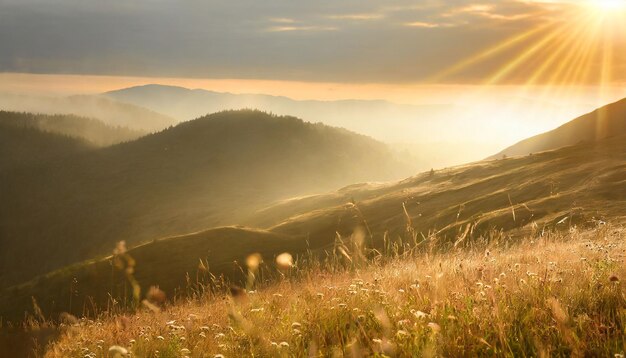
pixel 403 323
pixel 434 326
pixel 155 295
pixel 376 340
pixel 284 261
pixel 284 345
pixel 185 351
pixel 253 261
pixel 160 338
pixel 419 314
pixel 401 333
pixel 117 351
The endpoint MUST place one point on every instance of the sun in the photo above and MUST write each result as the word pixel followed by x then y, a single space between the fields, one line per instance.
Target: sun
pixel 608 5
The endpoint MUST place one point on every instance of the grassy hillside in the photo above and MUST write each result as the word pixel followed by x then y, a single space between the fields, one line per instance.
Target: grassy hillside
pixel 581 186
pixel 550 295
pixel 604 122
pixel 208 172
pixel 89 129
pixel 109 111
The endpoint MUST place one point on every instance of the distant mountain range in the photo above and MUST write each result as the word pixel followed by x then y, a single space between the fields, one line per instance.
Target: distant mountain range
pixel 382 120
pixel 417 130
pixel 214 170
pixel 602 123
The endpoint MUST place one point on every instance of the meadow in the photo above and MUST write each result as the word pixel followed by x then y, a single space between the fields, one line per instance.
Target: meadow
pixel 548 294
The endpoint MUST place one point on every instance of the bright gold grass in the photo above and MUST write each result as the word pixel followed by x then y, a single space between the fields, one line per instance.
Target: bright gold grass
pixel 560 295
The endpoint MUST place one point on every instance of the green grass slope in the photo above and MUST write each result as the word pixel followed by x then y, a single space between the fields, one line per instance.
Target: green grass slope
pixel 575 186
pixel 602 123
pixel 203 173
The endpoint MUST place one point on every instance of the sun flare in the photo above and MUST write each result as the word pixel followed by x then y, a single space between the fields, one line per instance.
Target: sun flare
pixel 608 5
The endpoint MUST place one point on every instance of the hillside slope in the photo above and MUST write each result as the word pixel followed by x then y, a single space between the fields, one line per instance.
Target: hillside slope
pixel 22 144
pixel 579 186
pixel 550 295
pixel 212 171
pixel 604 122
pixel 109 111
pixel 89 129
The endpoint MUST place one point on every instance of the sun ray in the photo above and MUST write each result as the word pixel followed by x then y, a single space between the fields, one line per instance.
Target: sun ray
pixel 526 54
pixel 490 52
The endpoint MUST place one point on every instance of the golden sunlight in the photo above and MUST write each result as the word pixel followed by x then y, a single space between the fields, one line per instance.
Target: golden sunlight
pixel 608 5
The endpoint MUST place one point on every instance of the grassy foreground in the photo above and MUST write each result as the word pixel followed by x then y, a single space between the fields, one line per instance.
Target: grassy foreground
pixel 559 295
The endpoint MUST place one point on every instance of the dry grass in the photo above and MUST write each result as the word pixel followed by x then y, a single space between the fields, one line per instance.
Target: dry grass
pixel 557 295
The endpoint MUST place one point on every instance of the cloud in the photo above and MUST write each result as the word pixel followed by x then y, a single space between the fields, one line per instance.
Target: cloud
pixel 489 11
pixel 300 28
pixel 428 25
pixel 357 17
pixel 282 20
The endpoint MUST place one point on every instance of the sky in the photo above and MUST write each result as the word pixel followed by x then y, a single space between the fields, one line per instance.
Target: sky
pixel 550 59
pixel 348 41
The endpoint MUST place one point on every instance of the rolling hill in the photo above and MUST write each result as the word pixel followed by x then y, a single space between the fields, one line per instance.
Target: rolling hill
pixel 215 170
pixel 382 120
pixel 23 144
pixel 604 122
pixel 107 110
pixel 92 130
pixel 577 186
pixel 407 128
